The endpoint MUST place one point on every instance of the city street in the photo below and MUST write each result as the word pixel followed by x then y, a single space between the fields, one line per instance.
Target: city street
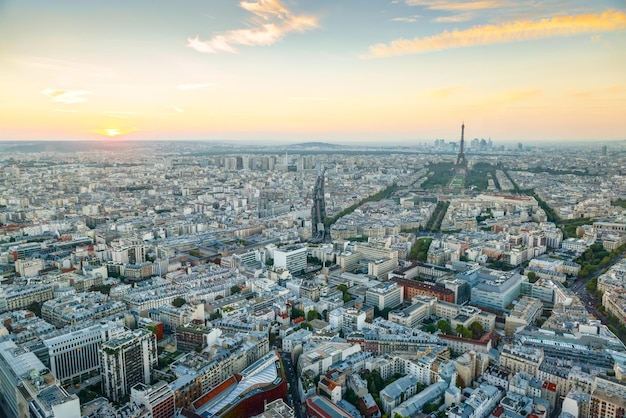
pixel 292 393
pixel 590 302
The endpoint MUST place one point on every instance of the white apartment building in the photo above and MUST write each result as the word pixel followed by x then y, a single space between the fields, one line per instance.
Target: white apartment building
pixel 78 353
pixel 413 315
pixel 29 390
pixel 292 258
pixel 385 295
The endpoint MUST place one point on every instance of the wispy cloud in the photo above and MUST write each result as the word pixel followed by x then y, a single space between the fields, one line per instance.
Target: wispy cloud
pixel 66 96
pixel 271 22
pixel 118 114
pixel 519 95
pixel 195 86
pixel 407 19
pixel 604 93
pixel 64 110
pixel 312 99
pixel 443 93
pixel 458 5
pixel 176 109
pixel 512 97
pixel 461 17
pixel 611 20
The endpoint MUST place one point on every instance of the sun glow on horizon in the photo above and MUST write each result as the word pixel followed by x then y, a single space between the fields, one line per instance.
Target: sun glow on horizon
pixel 113 132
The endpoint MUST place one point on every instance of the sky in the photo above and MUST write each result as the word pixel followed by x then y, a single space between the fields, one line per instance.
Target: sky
pixel 313 70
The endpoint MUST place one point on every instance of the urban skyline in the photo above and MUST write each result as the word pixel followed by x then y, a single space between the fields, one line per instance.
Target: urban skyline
pixel 295 71
pixel 184 279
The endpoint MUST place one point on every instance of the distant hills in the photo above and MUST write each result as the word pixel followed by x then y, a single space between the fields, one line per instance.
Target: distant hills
pixel 315 145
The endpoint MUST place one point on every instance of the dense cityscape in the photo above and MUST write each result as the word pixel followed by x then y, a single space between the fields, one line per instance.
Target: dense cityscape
pixel 452 278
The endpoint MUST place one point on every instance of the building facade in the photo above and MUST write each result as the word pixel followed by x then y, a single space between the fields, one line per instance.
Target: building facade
pixel 126 360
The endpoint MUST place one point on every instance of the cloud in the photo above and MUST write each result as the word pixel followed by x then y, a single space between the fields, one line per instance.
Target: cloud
pixel 176 109
pixel 195 86
pixel 604 93
pixel 511 96
pixel 408 19
pixel 444 93
pixel 312 99
pixel 64 110
pixel 462 17
pixel 458 5
pixel 271 22
pixel 66 96
pixel 611 20
pixel 119 115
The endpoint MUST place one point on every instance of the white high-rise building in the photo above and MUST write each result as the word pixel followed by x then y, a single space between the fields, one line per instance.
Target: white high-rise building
pixel 385 295
pixel 126 360
pixel 292 258
pixel 78 353
pixel 28 389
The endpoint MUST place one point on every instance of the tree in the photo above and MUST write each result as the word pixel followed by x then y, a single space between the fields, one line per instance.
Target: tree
pixel 312 314
pixel 476 329
pixel 430 328
pixel 269 262
pixel 35 308
pixel 352 397
pixel 344 289
pixel 234 290
pixel 430 407
pixel 306 325
pixel 218 297
pixel 532 276
pixel 296 313
pixel 444 326
pixel 462 331
pixel 178 302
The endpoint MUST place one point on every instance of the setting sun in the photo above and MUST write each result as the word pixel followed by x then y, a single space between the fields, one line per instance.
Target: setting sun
pixel 113 132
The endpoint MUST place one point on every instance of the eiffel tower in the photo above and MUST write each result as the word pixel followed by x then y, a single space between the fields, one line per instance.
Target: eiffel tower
pixel 461 163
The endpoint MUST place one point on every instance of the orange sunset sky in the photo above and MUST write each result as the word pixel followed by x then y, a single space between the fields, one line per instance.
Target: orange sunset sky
pixel 349 71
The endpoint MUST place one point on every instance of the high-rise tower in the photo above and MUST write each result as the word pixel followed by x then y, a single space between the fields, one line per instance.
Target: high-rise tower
pixel 461 162
pixel 320 231
pixel 126 360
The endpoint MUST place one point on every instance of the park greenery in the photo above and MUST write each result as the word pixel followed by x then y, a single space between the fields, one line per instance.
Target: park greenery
pixel 439 175
pixel 434 223
pixel 619 202
pixel 376 197
pixel 419 251
pixel 475 330
pixel 478 176
pixel 596 257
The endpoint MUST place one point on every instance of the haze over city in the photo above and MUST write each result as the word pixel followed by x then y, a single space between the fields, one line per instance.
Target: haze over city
pixel 344 71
